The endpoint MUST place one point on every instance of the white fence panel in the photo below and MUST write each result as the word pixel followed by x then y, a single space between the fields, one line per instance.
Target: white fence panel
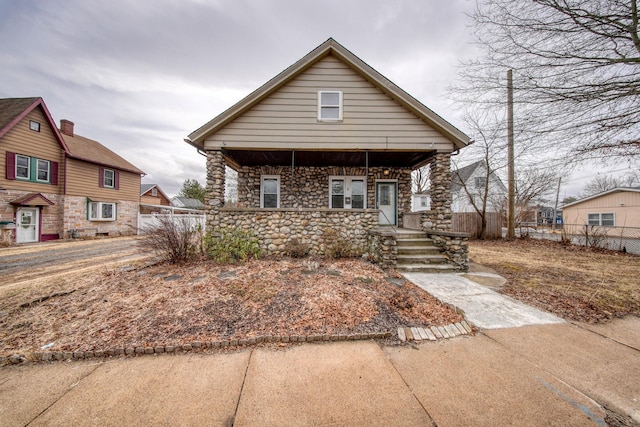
pixel 146 220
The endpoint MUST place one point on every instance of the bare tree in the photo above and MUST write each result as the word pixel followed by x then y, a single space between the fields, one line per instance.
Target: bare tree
pixel 420 179
pixel 603 183
pixel 489 148
pixel 576 67
pixel 599 184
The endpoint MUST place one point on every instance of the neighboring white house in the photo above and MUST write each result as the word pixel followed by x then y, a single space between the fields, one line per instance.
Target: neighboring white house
pixel 474 176
pixel 420 201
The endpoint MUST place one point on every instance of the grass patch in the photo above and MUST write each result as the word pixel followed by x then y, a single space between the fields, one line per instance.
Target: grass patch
pixel 574 282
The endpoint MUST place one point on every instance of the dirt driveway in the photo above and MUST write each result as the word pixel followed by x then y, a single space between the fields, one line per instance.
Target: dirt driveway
pixel 46 261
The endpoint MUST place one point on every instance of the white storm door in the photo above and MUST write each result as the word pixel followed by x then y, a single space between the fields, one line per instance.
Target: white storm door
pixel 386 201
pixel 27 227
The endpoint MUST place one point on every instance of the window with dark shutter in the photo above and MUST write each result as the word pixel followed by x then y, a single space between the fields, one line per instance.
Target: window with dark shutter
pixel 11 165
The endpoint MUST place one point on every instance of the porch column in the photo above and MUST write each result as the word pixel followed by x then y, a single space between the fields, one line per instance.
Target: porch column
pixel 441 191
pixel 214 198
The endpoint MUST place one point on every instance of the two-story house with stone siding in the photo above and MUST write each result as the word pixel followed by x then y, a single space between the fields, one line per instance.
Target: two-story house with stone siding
pixel 329 143
pixel 56 184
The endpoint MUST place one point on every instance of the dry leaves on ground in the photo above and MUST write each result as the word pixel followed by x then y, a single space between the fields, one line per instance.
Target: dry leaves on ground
pixel 165 304
pixel 574 282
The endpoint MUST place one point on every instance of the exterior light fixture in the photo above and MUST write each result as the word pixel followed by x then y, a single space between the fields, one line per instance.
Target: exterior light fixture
pixel 386 172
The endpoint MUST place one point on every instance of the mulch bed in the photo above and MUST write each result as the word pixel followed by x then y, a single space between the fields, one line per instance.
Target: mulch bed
pixel 165 304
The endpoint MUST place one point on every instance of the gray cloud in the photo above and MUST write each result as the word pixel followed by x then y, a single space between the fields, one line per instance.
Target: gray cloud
pixel 140 76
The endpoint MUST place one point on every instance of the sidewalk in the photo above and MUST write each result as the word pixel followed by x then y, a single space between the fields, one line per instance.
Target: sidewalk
pixel 558 374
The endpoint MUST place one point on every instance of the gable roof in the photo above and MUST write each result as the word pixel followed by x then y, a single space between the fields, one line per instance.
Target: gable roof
pixel 88 150
pixel 463 174
pixel 604 193
pixel 13 110
pixel 187 202
pixel 144 188
pixel 330 47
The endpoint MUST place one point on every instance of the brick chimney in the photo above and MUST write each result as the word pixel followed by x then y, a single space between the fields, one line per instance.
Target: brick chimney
pixel 66 127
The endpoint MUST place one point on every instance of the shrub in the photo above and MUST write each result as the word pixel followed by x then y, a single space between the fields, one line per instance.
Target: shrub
pixel 337 246
pixel 232 245
pixel 176 239
pixel 296 249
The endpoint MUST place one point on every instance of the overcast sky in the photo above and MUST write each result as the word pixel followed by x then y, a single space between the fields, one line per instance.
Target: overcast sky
pixel 139 76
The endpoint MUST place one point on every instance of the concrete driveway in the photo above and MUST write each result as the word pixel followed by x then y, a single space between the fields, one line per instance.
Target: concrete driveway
pixel 557 374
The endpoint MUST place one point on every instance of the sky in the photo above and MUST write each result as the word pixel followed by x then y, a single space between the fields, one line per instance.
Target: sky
pixel 140 76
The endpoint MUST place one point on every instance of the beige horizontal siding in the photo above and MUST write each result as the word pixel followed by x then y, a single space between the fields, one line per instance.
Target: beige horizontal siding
pixel 82 180
pixel 43 145
pixel 288 117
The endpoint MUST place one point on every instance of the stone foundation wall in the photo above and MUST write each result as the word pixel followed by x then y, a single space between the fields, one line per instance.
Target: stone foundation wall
pixel 75 218
pixel 454 245
pixel 309 186
pixel 274 228
pixel 383 248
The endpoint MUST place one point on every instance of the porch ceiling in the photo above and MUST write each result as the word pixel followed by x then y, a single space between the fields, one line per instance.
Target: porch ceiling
pixel 329 158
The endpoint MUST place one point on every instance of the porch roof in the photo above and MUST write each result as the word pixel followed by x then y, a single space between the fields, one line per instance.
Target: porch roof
pixel 412 159
pixel 32 199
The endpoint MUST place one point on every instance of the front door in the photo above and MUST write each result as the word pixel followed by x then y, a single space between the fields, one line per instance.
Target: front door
pixel 386 201
pixel 27 227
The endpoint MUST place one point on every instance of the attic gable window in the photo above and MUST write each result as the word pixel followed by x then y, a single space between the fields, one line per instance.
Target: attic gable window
pixel 330 105
pixel 34 126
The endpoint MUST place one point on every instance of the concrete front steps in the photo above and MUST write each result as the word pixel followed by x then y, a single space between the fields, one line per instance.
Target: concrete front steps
pixel 419 254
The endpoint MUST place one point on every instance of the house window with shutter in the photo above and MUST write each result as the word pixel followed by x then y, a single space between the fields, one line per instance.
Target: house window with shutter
pixel 23 166
pixel 329 105
pixel 109 178
pixel 32 169
pixel 43 172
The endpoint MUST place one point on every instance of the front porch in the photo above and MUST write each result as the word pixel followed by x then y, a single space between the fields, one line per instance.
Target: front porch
pixel 317 229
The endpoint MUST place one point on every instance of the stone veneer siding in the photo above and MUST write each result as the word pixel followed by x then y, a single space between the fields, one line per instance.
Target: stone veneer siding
pixel 440 191
pixel 274 228
pixel 454 245
pixel 75 218
pixel 51 217
pixel 309 187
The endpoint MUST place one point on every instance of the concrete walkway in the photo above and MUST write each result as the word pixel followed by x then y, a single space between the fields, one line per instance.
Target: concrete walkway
pixel 481 306
pixel 558 374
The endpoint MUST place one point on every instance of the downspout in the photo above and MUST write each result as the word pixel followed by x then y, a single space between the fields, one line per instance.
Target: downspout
pixel 366 177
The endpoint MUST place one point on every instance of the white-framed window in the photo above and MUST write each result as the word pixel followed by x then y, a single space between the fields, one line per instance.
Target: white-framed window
pixel 43 170
pixel 34 126
pixel 270 191
pixel 347 192
pixel 154 192
pixel 109 178
pixel 23 167
pixel 424 202
pixel 330 105
pixel 602 219
pixel 102 211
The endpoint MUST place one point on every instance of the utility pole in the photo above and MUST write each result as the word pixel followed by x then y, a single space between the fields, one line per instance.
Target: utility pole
pixel 511 175
pixel 555 207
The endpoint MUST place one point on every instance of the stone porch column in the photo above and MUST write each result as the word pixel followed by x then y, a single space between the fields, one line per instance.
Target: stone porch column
pixel 441 191
pixel 214 198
